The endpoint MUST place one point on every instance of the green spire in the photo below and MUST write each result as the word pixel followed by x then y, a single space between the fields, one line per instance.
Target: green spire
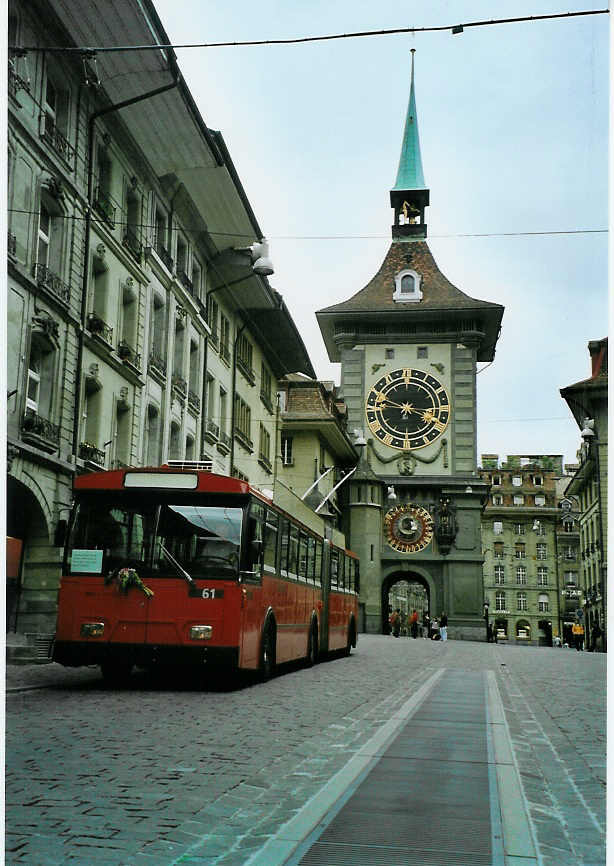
pixel 410 174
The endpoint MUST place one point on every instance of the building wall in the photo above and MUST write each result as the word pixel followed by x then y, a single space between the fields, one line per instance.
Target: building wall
pixel 521 542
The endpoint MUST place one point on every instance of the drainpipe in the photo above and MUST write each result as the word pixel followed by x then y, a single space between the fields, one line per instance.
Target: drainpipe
pixel 88 219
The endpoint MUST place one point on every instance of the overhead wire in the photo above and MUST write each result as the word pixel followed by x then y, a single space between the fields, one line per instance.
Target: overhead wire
pixel 453 28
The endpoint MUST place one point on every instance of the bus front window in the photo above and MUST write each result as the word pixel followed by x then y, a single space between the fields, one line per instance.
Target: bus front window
pixel 204 540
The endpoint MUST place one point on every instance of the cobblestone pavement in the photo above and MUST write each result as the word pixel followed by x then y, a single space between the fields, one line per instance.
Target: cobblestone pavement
pixel 166 774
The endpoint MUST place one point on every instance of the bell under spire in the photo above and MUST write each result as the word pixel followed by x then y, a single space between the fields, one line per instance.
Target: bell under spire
pixel 409 196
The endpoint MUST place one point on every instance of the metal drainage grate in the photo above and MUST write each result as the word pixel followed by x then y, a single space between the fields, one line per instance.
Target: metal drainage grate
pixel 426 801
pixel 43 644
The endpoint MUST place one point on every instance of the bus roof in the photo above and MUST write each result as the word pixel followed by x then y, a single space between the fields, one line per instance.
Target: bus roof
pixel 161 478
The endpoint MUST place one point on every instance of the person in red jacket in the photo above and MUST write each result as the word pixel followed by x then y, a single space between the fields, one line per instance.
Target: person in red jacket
pixel 413 623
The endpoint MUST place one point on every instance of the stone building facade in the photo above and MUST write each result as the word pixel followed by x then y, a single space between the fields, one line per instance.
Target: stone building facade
pixel 528 546
pixel 588 403
pixel 142 326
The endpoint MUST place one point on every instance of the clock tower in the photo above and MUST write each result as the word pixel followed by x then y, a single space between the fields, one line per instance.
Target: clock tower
pixel 409 343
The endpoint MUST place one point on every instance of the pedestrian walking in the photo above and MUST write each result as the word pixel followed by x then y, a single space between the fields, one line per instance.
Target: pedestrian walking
pixel 596 634
pixel 426 625
pixel 395 622
pixel 443 626
pixel 489 633
pixel 578 636
pixel 413 624
pixel 435 629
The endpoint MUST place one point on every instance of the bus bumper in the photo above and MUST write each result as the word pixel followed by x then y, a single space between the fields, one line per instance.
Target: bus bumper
pixel 79 653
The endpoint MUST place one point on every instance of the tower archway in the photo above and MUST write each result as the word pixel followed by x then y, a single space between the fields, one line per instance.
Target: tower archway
pixel 408 590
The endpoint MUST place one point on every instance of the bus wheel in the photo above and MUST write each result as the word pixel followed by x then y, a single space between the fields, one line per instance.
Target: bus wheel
pixel 267 655
pixel 116 673
pixel 312 647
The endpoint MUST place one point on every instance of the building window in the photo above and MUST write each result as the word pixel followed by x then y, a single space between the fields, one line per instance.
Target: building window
pixel 496 480
pixel 571 578
pixel 543 603
pixel 499 574
pixel 540 529
pixel 497 527
pixel 568 552
pixel 542 576
pixel 243 422
pixel 540 500
pixel 196 277
pixel 542 551
pixel 519 550
pixel 538 480
pixel 224 338
pixel 521 574
pixel 568 525
pixel 517 480
pixel 521 601
pixel 518 499
pixel 497 499
pixel 286 451
pixel 519 528
pixel 264 448
pixel 498 550
pixel 245 353
pixel 212 311
pixel 499 600
pixel 389 354
pixel 266 387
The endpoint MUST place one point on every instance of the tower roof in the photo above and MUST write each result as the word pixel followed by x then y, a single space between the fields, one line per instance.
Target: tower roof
pixel 410 174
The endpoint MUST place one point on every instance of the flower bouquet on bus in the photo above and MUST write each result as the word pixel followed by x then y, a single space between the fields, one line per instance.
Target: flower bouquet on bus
pixel 125 578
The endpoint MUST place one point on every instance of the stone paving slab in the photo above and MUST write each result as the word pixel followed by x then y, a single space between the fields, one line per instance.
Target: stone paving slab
pixel 161 765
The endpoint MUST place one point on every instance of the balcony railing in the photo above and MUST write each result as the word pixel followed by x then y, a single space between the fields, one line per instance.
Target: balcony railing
pixel 179 384
pixel 99 327
pixel 165 256
pixel 194 401
pixel 46 278
pixel 91 454
pixel 105 206
pixel 157 364
pixel 186 282
pixel 16 82
pixel 52 136
pixel 224 443
pixel 39 431
pixel 265 462
pixel 247 370
pixel 132 243
pixel 243 439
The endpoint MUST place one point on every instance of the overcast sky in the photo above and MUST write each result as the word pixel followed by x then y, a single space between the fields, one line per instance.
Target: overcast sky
pixel 513 124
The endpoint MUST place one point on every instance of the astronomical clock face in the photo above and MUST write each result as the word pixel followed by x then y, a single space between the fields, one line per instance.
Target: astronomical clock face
pixel 409 528
pixel 407 409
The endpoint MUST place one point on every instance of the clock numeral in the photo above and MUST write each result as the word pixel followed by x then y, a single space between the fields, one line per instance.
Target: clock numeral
pixel 387 439
pixel 375 425
pixel 439 425
pixel 406 445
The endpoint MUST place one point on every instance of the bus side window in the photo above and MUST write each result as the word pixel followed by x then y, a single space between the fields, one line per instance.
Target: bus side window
pixel 270 541
pixel 285 535
pixel 293 552
pixel 334 569
pixel 318 563
pixel 255 539
pixel 302 556
pixel 311 559
pixel 350 582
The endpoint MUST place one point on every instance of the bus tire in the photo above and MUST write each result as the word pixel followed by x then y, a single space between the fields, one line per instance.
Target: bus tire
pixel 116 673
pixel 312 647
pixel 267 654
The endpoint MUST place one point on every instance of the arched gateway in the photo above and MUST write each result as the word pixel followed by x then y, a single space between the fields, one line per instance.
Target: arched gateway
pixel 409 343
pixel 408 590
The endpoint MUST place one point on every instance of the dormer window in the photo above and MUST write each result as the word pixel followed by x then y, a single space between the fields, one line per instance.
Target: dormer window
pixel 407 287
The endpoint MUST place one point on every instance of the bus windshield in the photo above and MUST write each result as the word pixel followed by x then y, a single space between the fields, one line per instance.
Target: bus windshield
pixel 156 540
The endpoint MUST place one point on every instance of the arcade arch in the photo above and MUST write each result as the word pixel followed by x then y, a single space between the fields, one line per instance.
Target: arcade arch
pixel 407 591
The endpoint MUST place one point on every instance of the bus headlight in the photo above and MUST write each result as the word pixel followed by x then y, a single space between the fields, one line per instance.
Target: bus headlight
pixel 201 632
pixel 92 629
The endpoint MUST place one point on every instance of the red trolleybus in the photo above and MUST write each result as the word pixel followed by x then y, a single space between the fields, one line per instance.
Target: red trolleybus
pixel 179 566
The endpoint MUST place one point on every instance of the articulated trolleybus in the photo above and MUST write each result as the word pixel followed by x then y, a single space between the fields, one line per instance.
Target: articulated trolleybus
pixel 180 566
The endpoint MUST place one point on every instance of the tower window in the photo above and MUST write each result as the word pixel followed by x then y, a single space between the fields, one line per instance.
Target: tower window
pixel 407 287
pixel 423 352
pixel 389 353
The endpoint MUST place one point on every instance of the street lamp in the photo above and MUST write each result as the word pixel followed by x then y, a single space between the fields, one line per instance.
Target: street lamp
pixel 486 618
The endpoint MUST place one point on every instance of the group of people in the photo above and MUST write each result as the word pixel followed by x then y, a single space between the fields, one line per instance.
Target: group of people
pixel 429 628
